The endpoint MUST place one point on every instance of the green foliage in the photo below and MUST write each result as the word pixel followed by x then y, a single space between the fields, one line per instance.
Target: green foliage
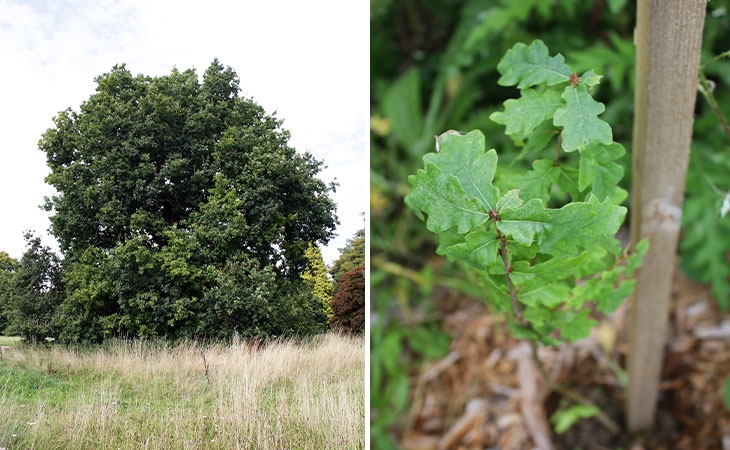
pixel 169 191
pixel 529 257
pixel 351 257
pixel 317 277
pixel 348 304
pixel 253 301
pixel 36 291
pixel 440 58
pixel 8 268
pixel 704 217
pixel 527 66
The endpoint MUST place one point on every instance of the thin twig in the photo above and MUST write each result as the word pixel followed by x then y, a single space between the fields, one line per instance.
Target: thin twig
pixel 516 308
pixel 707 92
pixel 715 59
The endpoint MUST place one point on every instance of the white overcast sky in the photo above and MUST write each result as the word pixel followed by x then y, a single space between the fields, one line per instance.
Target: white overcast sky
pixel 305 60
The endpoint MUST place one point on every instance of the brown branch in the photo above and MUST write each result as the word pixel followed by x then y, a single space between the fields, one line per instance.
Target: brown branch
pixel 516 308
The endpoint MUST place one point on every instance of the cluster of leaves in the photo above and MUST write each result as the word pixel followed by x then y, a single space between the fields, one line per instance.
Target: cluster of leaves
pixel 182 211
pixel 348 304
pixel 530 257
pixel 433 69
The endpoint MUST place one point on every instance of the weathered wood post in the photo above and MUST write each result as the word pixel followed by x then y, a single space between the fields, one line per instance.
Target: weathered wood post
pixel 668 40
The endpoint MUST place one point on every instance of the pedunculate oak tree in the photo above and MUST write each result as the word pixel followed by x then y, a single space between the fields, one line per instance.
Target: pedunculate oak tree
pixel 181 210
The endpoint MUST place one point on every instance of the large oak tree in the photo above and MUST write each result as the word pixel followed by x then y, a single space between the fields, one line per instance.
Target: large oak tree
pixel 181 210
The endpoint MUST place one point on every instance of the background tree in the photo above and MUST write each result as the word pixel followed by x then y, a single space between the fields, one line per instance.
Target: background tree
pixel 348 303
pixel 317 277
pixel 165 186
pixel 8 268
pixel 351 256
pixel 37 291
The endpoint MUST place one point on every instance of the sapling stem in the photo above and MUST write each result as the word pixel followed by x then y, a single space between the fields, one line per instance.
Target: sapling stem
pixel 605 420
pixel 516 308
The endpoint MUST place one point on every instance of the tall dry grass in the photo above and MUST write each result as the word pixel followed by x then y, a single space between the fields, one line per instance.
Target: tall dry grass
pixel 134 394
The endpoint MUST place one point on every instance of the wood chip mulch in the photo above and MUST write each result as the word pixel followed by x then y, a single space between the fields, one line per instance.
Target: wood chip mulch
pixel 487 394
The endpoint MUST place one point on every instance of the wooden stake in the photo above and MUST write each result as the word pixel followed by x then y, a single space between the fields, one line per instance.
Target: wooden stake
pixel 668 40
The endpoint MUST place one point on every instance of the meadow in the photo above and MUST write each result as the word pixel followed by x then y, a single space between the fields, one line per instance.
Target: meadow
pixel 287 394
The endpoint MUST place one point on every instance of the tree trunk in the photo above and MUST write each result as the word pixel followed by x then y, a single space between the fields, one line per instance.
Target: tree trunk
pixel 668 40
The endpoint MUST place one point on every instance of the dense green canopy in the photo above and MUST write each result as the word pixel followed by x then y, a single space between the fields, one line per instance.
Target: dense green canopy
pixel 181 210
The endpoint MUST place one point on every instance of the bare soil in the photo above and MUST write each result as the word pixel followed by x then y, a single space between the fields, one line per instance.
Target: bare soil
pixel 487 393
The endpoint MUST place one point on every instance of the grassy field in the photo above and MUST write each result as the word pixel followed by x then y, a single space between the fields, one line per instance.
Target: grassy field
pixel 136 395
pixel 9 340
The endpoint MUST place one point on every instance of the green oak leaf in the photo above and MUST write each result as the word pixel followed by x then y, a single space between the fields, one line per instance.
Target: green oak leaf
pixel 574 326
pixel 550 295
pixel 455 189
pixel 634 260
pixel 539 139
pixel 580 122
pixel 567 181
pixel 463 156
pixel 509 200
pixel 521 116
pixel 443 199
pixel 537 182
pixel 598 169
pixel 560 231
pixel 572 267
pixel 590 78
pixel 479 248
pixel 531 65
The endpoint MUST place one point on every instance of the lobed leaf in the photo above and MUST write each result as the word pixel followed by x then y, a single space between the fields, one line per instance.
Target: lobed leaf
pixel 580 122
pixel 560 231
pixel 463 156
pixel 598 169
pixel 479 248
pixel 527 66
pixel 574 326
pixel 521 116
pixel 443 199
